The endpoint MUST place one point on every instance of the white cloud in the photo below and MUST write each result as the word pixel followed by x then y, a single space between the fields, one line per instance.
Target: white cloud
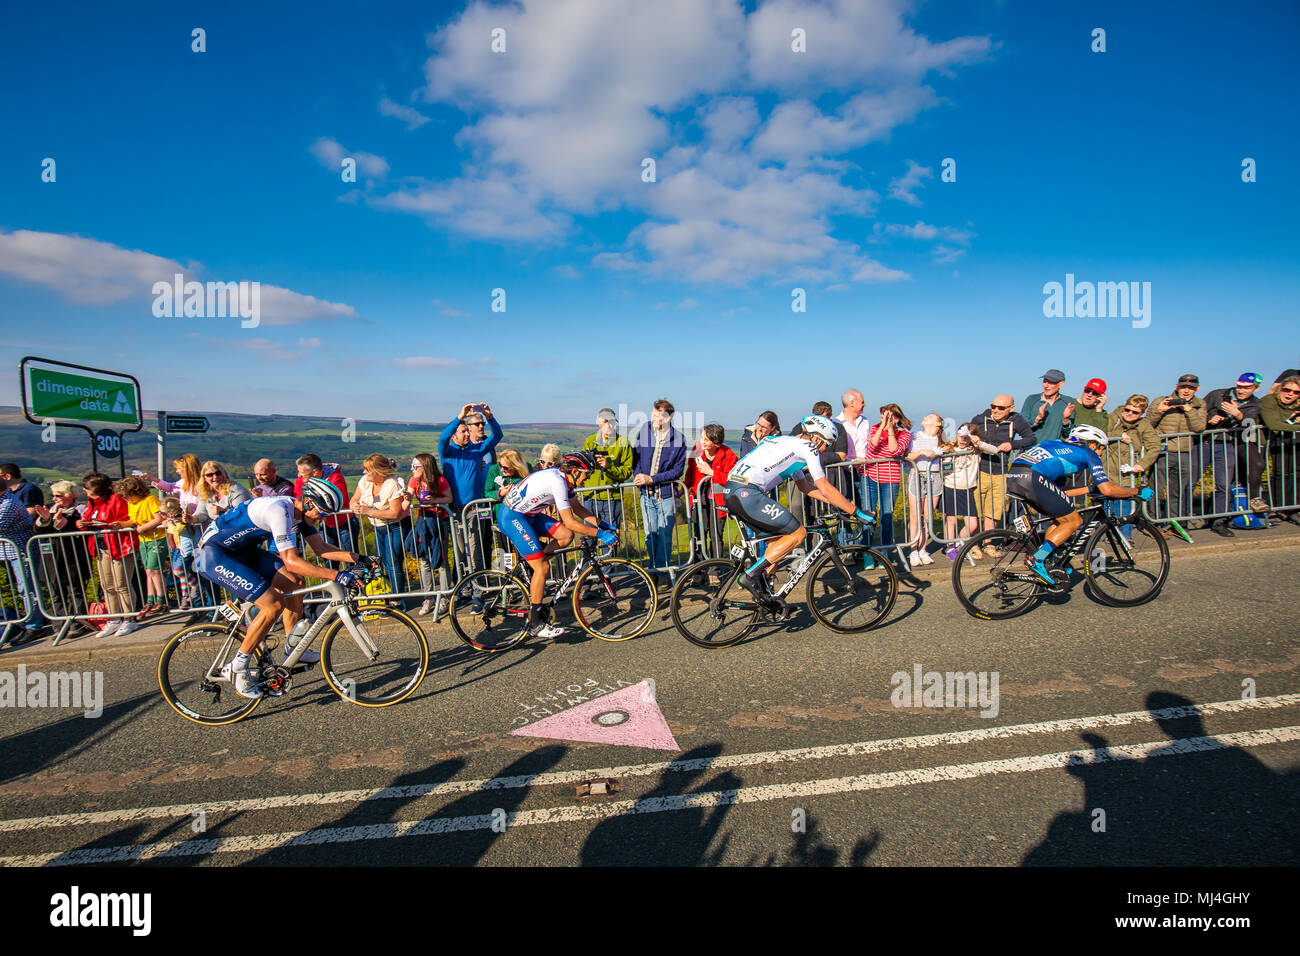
pixel 330 154
pixel 92 272
pixel 85 271
pixel 689 304
pixel 425 361
pixel 567 271
pixel 904 187
pixel 950 242
pixel 312 343
pixel 445 309
pixel 559 124
pixel 412 117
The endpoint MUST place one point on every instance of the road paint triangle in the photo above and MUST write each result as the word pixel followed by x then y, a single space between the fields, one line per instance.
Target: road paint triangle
pixel 626 718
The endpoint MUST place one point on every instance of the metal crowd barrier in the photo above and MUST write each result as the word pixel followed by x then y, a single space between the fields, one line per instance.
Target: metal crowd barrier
pixel 15 595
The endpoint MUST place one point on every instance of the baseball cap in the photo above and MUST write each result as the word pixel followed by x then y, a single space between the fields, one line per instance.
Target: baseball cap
pixel 1054 375
pixel 606 415
pixel 1189 379
pixel 1253 379
pixel 1097 385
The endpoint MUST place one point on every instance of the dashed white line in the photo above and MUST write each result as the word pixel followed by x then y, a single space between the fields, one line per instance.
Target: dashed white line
pixel 264 842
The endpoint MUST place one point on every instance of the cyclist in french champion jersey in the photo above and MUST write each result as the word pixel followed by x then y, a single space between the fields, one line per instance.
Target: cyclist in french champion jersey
pixel 754 476
pixel 230 554
pixel 522 518
pixel 1036 474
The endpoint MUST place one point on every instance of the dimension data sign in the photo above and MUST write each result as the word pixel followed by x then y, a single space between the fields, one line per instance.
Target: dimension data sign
pixel 76 393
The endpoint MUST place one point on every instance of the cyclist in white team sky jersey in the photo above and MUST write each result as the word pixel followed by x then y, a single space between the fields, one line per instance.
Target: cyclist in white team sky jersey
pixel 754 476
pixel 523 519
pixel 230 554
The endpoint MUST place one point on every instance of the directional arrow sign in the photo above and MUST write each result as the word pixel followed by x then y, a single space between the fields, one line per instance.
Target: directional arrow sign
pixel 186 424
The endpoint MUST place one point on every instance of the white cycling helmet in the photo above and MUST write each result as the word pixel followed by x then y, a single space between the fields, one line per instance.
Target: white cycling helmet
pixel 1086 433
pixel 322 495
pixel 820 425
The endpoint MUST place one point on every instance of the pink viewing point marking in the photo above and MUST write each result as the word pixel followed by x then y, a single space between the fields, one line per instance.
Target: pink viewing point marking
pixel 644 726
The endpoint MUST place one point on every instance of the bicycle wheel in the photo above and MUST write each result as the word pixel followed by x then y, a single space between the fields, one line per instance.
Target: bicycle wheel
pixel 500 619
pixel 1127 571
pixel 614 599
pixel 995 587
pixel 710 608
pixel 851 599
pixel 184 669
pixel 386 674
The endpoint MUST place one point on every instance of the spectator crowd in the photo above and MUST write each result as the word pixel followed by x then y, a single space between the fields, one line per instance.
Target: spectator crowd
pixel 138 535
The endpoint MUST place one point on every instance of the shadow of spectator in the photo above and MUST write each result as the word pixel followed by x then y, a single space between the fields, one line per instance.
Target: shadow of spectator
pixel 36 749
pixel 1193 802
pixel 808 849
pixel 678 836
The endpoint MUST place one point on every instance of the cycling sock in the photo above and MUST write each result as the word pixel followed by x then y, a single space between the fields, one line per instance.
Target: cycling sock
pixel 534 615
pixel 757 570
pixel 240 663
pixel 1044 551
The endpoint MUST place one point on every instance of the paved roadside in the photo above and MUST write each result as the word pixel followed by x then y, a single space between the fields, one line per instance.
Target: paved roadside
pixel 148 640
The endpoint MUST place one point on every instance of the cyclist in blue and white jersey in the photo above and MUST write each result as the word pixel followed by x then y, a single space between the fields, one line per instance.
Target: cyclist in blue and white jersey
pixel 774 459
pixel 230 554
pixel 523 519
pixel 1036 475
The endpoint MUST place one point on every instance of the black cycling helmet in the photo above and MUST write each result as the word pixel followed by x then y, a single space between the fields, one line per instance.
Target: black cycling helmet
pixel 583 460
pixel 321 495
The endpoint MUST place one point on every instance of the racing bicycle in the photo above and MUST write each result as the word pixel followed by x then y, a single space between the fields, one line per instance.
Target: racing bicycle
pixel 844 593
pixel 371 654
pixel 613 599
pixel 1126 563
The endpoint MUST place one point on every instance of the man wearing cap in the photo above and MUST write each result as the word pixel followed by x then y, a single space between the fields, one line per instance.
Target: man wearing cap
pixel 613 467
pixel 1090 409
pixel 1050 414
pixel 1170 415
pixel 1231 453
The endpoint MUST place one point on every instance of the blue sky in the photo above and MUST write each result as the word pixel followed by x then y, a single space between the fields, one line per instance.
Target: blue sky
pixel 522 171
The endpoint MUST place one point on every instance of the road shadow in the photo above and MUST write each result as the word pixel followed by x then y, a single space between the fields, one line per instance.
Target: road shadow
pixel 1194 802
pixel 808 849
pixel 36 749
pixel 663 829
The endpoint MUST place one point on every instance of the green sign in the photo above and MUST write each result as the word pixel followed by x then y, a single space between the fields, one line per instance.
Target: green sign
pixel 80 396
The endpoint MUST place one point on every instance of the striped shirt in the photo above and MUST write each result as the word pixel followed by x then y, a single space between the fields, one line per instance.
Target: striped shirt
pixel 887 472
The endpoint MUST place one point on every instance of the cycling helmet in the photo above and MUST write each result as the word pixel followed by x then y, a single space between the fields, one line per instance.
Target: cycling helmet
pixel 1086 433
pixel 584 460
pixel 321 495
pixel 822 426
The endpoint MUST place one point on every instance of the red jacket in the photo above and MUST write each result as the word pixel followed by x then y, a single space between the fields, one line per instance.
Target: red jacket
pixel 335 477
pixel 724 459
pixel 110 509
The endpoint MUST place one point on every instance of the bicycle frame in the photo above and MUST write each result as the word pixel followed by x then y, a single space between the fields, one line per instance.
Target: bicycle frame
pixel 1074 545
pixel 826 542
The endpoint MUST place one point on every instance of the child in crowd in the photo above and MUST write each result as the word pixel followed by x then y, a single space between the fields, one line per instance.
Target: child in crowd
pixel 145 517
pixel 923 486
pixel 181 548
pixel 960 478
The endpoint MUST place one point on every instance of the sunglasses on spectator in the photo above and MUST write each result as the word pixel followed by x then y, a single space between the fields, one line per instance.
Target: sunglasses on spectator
pixel 213 474
pixel 1289 391
pixel 1131 411
pixel 1091 391
pixel 1002 408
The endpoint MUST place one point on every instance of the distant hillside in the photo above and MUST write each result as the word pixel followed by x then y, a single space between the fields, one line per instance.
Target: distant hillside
pixel 237 441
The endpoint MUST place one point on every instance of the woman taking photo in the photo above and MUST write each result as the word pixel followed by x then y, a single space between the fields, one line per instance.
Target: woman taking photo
pixel 112 551
pixel 887 446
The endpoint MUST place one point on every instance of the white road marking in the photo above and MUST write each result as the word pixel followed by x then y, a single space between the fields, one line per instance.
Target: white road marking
pixel 559 778
pixel 259 843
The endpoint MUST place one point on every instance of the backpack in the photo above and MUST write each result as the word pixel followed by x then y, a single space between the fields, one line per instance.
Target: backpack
pixel 1248 519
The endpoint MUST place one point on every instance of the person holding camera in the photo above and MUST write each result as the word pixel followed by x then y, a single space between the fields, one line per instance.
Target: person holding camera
pixel 466 447
pixel 1178 414
pixel 613 454
pixel 1234 452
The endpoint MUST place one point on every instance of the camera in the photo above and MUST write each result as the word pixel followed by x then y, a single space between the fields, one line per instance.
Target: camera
pixel 1178 401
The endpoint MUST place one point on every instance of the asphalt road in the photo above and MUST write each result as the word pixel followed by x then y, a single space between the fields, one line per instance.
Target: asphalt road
pixel 791 750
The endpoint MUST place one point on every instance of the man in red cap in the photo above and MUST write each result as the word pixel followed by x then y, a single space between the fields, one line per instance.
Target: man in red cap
pixel 1092 401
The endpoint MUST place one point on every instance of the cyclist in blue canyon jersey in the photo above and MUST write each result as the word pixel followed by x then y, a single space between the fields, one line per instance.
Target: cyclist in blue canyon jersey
pixel 748 498
pixel 230 554
pixel 1036 475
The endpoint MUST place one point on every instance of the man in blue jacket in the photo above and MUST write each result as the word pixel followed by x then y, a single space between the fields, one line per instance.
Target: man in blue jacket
pixel 659 459
pixel 466 447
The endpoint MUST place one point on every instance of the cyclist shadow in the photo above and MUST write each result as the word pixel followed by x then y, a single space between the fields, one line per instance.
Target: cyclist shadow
pixel 1212 807
pixel 38 748
pixel 367 832
pixel 808 849
pixel 680 835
